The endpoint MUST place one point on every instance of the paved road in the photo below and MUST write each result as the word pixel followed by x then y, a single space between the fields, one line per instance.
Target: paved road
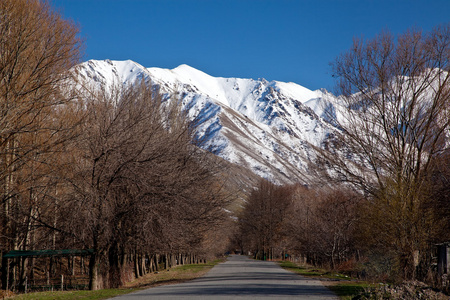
pixel 240 278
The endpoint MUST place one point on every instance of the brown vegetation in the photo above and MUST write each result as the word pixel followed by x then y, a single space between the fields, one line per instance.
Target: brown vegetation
pixel 383 202
pixel 37 48
pixel 261 225
pixel 283 221
pixel 116 171
pixel 394 125
pixel 322 225
pixel 139 184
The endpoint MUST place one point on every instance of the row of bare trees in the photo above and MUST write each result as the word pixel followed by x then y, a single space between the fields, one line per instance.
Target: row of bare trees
pixel 342 229
pixel 314 224
pixel 394 120
pixel 383 174
pixel 37 48
pixel 114 170
pixel 261 225
pixel 139 183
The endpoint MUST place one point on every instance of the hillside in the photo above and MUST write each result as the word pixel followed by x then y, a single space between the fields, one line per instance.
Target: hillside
pixel 264 126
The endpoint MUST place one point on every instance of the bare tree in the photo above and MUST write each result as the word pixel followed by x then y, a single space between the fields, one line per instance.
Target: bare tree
pixel 439 200
pixel 262 221
pixel 37 48
pixel 393 119
pixel 321 225
pixel 140 184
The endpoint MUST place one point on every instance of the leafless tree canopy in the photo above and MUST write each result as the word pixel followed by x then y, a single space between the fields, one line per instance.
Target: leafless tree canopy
pixel 262 227
pixel 314 224
pixel 393 112
pixel 37 48
pixel 321 225
pixel 393 120
pixel 115 171
pixel 138 182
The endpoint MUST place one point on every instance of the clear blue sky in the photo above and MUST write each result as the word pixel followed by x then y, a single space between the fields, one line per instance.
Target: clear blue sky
pixel 283 40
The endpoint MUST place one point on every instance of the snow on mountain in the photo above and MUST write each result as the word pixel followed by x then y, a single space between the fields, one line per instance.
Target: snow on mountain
pixel 264 126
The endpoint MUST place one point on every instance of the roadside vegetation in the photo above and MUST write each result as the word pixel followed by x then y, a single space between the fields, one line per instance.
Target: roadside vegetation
pixel 343 285
pixel 97 187
pixel 348 288
pixel 174 275
pixel 375 205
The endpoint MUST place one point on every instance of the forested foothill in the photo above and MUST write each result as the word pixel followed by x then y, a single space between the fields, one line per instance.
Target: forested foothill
pixel 378 207
pixel 100 186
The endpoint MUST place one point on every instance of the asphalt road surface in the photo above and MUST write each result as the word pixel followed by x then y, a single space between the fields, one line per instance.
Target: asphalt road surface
pixel 240 278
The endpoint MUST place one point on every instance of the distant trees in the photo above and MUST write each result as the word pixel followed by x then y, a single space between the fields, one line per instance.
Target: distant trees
pixel 315 224
pixel 321 225
pixel 261 224
pixel 393 120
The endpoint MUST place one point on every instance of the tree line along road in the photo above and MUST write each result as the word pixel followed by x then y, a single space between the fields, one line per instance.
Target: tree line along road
pixel 241 278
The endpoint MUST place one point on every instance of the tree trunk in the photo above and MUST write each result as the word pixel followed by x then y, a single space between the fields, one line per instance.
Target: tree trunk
pixel 142 269
pixel 166 261
pixel 23 268
pixel 94 278
pixel 82 265
pixel 157 262
pixel 115 272
pixel 136 265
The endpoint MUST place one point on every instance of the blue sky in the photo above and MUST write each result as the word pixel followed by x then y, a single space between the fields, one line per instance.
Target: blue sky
pixel 283 40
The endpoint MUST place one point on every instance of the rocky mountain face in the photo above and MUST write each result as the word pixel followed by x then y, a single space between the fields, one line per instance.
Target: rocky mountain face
pixel 266 127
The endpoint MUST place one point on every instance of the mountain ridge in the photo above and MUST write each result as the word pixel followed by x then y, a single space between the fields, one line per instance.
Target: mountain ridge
pixel 265 126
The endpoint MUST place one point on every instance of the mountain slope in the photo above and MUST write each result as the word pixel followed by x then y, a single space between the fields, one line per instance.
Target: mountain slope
pixel 264 126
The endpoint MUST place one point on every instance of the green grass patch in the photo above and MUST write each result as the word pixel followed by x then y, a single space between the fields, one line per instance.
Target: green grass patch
pixel 347 290
pixel 303 270
pixel 199 267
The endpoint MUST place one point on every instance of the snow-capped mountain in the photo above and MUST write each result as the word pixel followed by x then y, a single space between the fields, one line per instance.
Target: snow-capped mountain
pixel 264 126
